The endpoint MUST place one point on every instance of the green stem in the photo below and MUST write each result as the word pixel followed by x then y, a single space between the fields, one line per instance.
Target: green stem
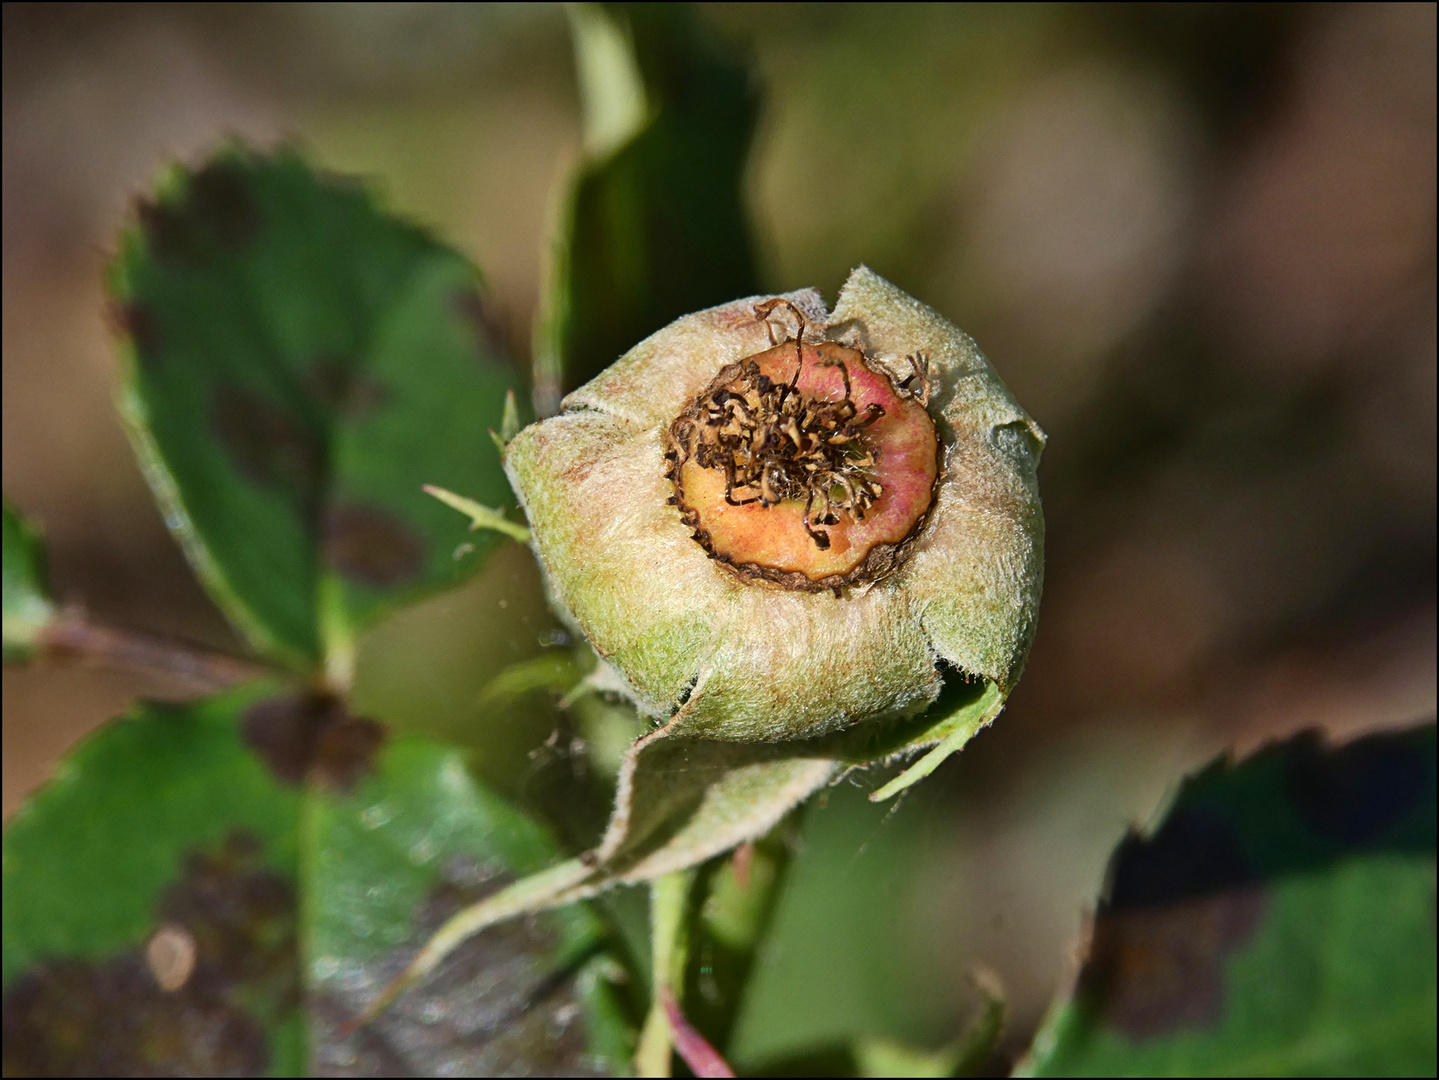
pixel 669 897
pixel 981 1035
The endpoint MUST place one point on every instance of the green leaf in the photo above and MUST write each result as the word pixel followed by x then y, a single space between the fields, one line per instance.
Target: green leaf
pixel 297 364
pixel 653 223
pixel 150 905
pixel 160 892
pixel 412 843
pixel 28 609
pixel 1280 921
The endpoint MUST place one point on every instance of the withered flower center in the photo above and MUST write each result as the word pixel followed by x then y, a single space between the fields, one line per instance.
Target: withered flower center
pixel 804 466
pixel 774 442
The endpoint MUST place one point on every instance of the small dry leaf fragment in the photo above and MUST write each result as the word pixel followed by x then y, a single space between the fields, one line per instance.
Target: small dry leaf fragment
pixel 170 955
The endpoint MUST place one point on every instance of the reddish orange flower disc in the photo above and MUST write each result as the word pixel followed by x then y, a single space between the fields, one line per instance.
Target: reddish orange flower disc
pixel 805 466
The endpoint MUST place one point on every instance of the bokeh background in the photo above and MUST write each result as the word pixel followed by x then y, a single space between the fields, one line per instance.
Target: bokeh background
pixel 1198 242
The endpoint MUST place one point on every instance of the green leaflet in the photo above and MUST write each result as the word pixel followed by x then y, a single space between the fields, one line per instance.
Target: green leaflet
pixel 162 822
pixel 248 831
pixel 1280 921
pixel 683 800
pixel 27 605
pixel 297 365
pixel 958 716
pixel 652 224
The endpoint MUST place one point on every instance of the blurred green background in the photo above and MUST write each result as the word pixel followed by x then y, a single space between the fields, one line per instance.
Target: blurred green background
pixel 1198 241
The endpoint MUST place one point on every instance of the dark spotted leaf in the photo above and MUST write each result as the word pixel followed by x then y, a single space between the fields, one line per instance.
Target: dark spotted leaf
pixel 161 891
pixel 297 364
pixel 150 905
pixel 653 224
pixel 27 606
pixel 410 845
pixel 1280 921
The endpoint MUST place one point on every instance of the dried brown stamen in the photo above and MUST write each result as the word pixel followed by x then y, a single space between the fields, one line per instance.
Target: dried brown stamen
pixel 804 464
pixel 775 442
pixel 917 382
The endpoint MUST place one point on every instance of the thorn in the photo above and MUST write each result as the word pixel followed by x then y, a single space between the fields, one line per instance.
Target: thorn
pixel 510 421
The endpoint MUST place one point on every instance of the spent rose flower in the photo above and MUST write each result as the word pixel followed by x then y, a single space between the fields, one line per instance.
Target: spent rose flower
pixel 772 521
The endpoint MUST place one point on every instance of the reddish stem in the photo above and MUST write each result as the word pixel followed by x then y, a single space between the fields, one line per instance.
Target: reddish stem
pixel 200 669
pixel 702 1058
pixel 743 860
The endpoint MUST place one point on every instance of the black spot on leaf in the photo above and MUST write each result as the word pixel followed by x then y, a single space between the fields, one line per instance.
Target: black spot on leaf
pixel 215 215
pixel 345 752
pixel 497 1007
pixel 112 1017
pixel 268 444
pixel 1195 853
pixel 222 205
pixel 1152 971
pixel 1354 794
pixel 312 736
pixel 241 916
pixel 137 322
pixel 283 732
pixel 1179 904
pixel 371 546
pixel 169 234
pixel 487 328
pixel 73 1018
pixel 342 388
